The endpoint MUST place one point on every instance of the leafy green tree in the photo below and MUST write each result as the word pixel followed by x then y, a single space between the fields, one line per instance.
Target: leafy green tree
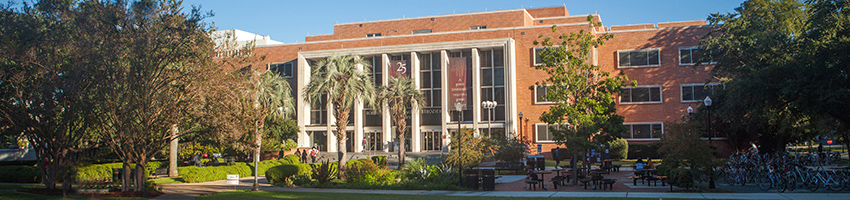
pixel 46 85
pixel 585 113
pixel 399 95
pixel 466 149
pixel 343 80
pixel 685 153
pixel 783 84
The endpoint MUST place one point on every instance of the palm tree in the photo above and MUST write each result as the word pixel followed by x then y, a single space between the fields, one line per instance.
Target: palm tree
pixel 271 97
pixel 345 80
pixel 398 95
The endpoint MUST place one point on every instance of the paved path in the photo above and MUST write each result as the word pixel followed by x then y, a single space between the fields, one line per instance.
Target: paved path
pixel 188 191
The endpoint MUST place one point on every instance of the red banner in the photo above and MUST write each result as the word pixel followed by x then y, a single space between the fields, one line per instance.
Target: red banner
pixel 399 68
pixel 457 81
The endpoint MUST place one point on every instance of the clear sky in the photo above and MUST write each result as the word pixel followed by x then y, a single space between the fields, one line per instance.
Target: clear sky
pixel 289 21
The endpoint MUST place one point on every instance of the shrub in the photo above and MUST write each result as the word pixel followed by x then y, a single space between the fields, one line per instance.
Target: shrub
pixel 644 150
pixel 291 159
pixel 619 148
pixel 325 172
pixel 193 174
pixel 104 171
pixel 301 179
pixel 368 173
pixel 19 174
pixel 381 161
pixel 279 174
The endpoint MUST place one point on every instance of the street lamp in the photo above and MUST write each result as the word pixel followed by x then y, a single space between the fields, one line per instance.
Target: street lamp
pixel 489 105
pixel 458 108
pixel 707 102
pixel 520 126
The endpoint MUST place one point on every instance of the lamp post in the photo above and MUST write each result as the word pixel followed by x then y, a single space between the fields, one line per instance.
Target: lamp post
pixel 707 102
pixel 489 105
pixel 520 126
pixel 458 108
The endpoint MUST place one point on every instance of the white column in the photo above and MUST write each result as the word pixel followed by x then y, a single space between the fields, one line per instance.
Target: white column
pixel 447 116
pixel 331 126
pixel 303 108
pixel 386 119
pixel 358 122
pixel 476 91
pixel 415 133
pixel 511 91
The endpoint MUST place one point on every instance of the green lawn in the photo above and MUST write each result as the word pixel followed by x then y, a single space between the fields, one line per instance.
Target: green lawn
pixel 245 195
pixel 10 195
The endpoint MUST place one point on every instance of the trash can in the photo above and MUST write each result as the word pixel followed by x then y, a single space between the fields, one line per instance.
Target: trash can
pixel 541 163
pixel 471 178
pixel 488 179
pixel 116 174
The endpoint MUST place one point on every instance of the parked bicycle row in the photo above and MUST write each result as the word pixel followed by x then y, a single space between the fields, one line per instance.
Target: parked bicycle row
pixel 784 172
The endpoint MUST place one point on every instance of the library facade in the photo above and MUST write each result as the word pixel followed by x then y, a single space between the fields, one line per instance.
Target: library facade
pixel 477 57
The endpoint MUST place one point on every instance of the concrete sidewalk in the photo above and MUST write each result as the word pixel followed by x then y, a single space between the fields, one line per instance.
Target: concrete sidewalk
pixel 188 191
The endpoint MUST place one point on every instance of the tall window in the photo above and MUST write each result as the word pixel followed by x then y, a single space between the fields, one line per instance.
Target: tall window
pixel 319 112
pixel 374 141
pixel 641 94
pixel 373 117
pixel 540 93
pixel 697 92
pixel 467 112
pixel 430 85
pixel 691 55
pixel 644 130
pixel 284 70
pixel 543 134
pixel 493 83
pixel 639 58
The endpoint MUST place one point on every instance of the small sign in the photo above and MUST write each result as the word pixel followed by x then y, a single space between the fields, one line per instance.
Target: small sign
pixel 233 179
pixel 539 148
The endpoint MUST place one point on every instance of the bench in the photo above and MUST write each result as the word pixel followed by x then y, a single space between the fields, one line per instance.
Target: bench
pixel 609 183
pixel 655 179
pixel 584 182
pixel 636 178
pixel 517 167
pixel 159 171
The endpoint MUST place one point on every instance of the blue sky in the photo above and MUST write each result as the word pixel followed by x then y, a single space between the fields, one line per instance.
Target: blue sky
pixel 289 21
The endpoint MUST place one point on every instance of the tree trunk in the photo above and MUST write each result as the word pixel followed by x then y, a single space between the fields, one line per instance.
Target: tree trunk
pixel 172 153
pixel 342 158
pixel 140 177
pixel 125 177
pixel 574 167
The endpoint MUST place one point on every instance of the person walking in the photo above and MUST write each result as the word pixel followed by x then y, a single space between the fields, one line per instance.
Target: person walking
pixel 313 153
pixel 303 156
pixel 556 155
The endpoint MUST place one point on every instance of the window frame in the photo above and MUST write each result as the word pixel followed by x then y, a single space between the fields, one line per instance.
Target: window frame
pixel 660 95
pixel 682 90
pixel 638 50
pixel 652 137
pixel 422 31
pixel 368 35
pixel 536 132
pixel 536 102
pixel 693 62
pixel 291 68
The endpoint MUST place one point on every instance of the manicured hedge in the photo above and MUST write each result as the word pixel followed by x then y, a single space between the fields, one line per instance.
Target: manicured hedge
pixel 278 174
pixel 194 174
pixel 644 150
pixel 19 174
pixel 104 171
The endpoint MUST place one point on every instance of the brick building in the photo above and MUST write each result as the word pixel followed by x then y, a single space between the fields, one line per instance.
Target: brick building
pixel 497 50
